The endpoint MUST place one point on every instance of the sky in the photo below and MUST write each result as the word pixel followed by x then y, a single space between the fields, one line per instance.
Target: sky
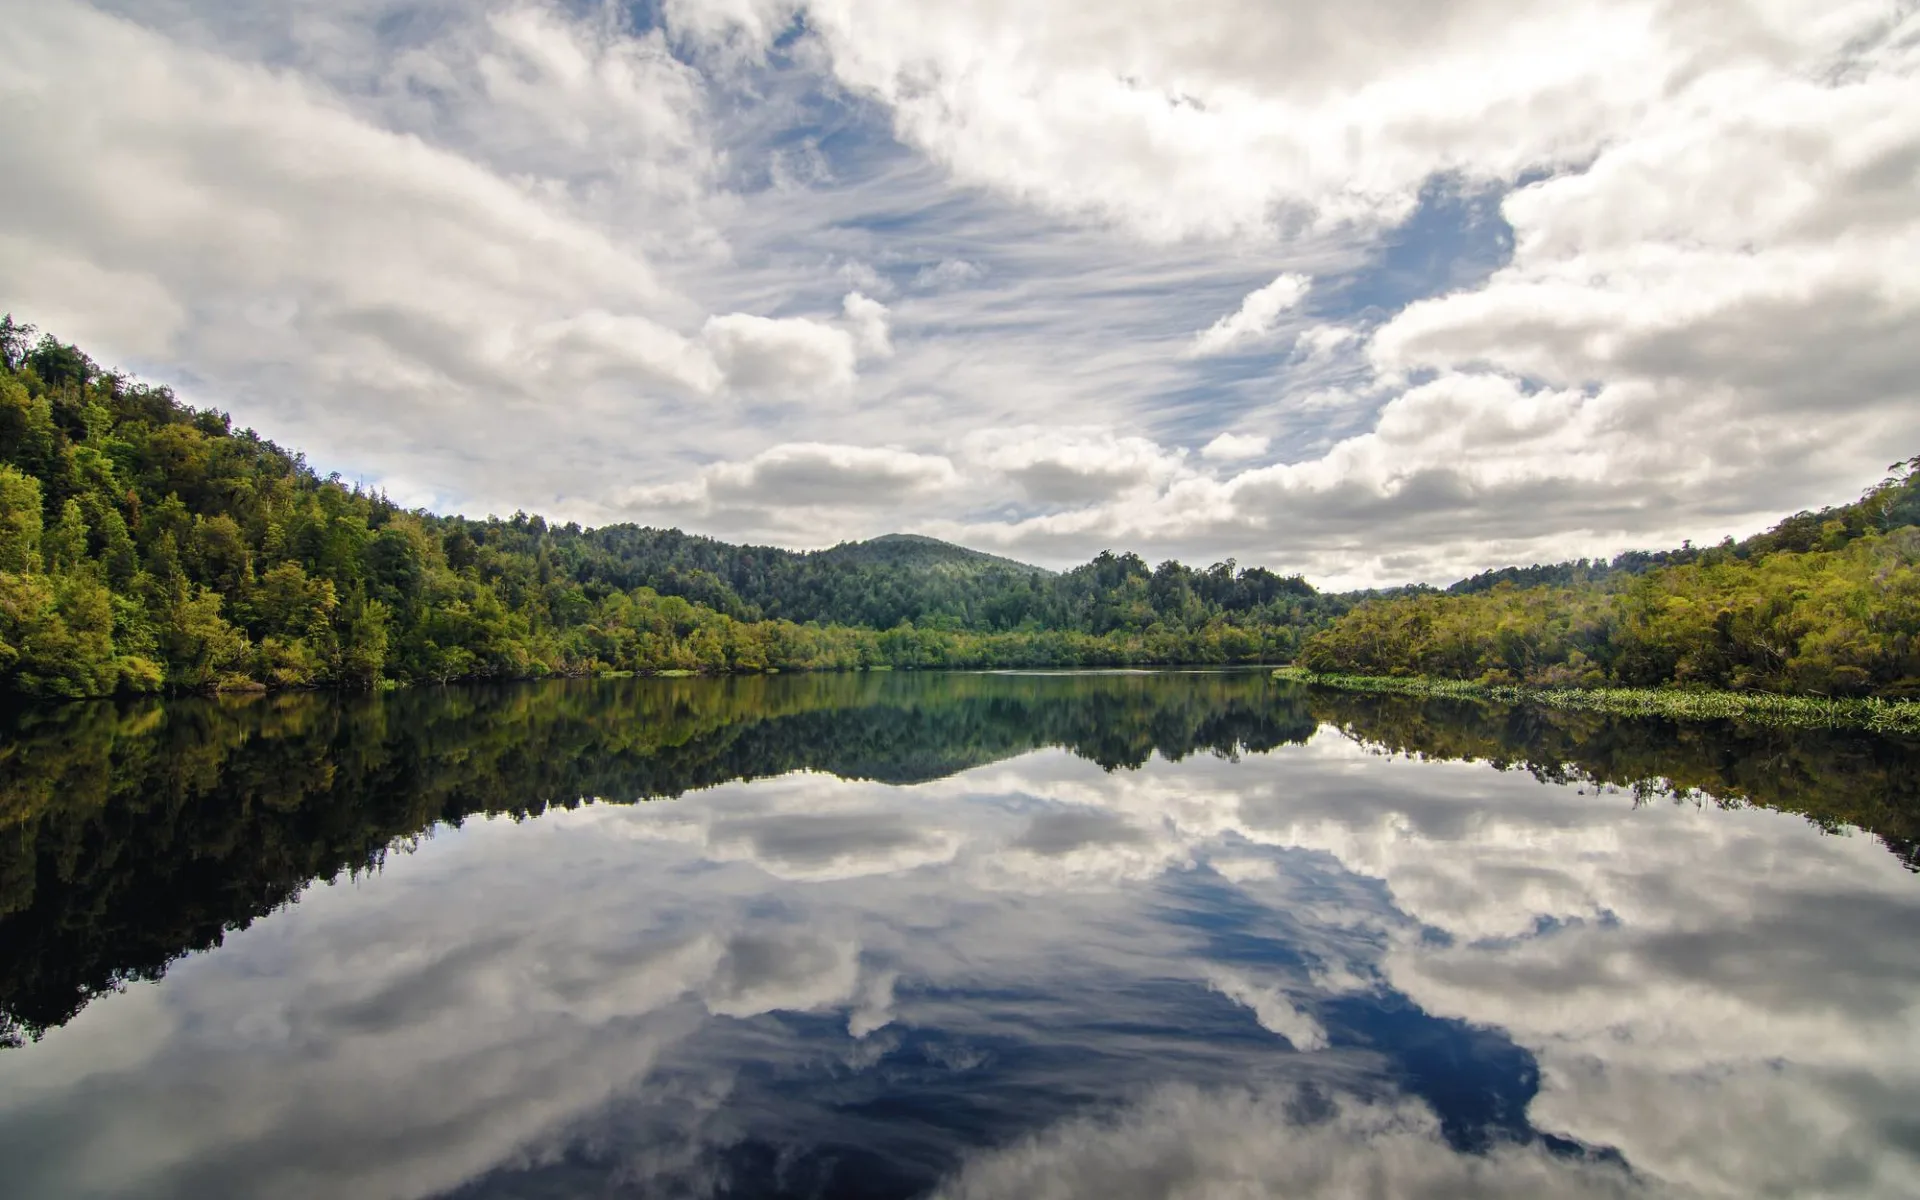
pixel 1374 290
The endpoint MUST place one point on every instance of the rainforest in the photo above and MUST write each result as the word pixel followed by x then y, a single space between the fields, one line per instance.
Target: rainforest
pixel 149 546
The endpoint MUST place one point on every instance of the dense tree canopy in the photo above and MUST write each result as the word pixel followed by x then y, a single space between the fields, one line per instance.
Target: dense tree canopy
pixel 146 545
pixel 1825 602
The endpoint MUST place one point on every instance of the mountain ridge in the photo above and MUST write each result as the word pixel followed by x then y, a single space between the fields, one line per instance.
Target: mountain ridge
pixel 919 551
pixel 147 545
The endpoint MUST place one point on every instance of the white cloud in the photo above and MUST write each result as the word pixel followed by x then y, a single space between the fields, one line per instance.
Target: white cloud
pixel 1072 466
pixel 1230 446
pixel 1255 319
pixel 1729 194
pixel 598 345
pixel 1186 1142
pixel 1271 1007
pixel 510 257
pixel 804 474
pixel 784 357
pixel 863 277
pixel 374 297
pixel 1221 123
pixel 869 320
pixel 948 272
pixel 1319 342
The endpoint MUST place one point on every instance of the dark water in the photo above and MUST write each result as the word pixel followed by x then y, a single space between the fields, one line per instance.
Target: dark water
pixel 1180 935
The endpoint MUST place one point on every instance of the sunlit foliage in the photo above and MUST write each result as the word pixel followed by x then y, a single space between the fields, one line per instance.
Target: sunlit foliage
pixel 1825 603
pixel 148 546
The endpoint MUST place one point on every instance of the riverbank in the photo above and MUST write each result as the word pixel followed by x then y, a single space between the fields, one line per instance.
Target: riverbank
pixel 1764 708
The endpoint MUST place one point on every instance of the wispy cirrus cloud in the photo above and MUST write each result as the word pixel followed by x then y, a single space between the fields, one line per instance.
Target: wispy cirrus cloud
pixel 527 256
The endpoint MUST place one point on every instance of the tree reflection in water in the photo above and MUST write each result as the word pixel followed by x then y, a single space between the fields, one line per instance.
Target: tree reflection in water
pixel 137 833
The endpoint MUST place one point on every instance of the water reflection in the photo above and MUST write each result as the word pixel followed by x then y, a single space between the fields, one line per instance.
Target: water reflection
pixel 954 934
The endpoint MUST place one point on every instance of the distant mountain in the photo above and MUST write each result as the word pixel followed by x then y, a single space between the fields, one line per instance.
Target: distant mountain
pixel 903 577
pixel 146 545
pixel 877 583
pixel 915 552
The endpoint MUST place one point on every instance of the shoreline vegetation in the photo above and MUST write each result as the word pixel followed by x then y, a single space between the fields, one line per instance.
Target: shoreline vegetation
pixel 117 859
pixel 1678 704
pixel 147 546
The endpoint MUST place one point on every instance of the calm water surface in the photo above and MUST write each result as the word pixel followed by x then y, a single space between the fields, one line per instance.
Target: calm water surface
pixel 1115 935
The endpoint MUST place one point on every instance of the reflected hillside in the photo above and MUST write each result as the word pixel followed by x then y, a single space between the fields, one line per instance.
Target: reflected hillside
pixel 1835 778
pixel 131 834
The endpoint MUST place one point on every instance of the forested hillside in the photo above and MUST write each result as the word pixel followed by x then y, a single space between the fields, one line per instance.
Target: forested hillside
pixel 1825 602
pixel 146 545
pixel 880 583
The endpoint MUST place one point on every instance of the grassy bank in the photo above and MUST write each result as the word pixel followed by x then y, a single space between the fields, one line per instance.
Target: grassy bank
pixel 1817 712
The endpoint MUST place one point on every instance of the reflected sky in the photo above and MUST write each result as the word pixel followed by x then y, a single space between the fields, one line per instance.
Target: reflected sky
pixel 1314 970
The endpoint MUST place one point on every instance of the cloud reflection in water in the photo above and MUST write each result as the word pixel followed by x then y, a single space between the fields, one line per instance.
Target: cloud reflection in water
pixel 1315 971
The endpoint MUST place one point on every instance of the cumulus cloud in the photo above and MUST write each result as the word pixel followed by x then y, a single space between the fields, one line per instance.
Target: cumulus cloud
pixel 1320 342
pixel 1255 319
pixel 1716 204
pixel 259 189
pixel 784 356
pixel 1231 446
pixel 863 277
pixel 466 253
pixel 1072 466
pixel 442 295
pixel 806 473
pixel 869 320
pixel 1182 1141
pixel 1244 114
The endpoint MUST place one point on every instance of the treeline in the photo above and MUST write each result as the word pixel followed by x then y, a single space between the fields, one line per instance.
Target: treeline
pixel 1835 778
pixel 149 546
pixel 902 579
pixel 1575 570
pixel 1825 603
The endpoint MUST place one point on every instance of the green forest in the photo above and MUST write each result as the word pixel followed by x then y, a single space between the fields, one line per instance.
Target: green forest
pixel 1824 603
pixel 147 546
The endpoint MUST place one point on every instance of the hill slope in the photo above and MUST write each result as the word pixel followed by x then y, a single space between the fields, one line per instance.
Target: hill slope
pixel 877 583
pixel 1891 504
pixel 915 552
pixel 1826 603
pixel 146 545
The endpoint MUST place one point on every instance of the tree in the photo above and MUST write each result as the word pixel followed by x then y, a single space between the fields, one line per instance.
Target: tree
pixel 19 522
pixel 14 340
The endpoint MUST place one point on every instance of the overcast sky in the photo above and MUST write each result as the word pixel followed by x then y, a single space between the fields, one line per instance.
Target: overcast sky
pixel 1377 290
